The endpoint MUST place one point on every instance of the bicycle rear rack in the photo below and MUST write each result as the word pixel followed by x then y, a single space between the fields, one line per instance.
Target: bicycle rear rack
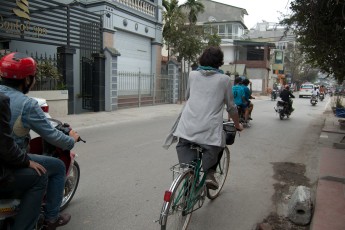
pixel 180 168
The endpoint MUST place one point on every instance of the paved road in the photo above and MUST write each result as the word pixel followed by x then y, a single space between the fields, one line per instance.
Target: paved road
pixel 125 171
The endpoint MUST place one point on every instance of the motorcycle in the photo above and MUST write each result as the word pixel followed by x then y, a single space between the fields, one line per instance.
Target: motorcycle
pixel 9 206
pixel 313 100
pixel 282 109
pixel 274 95
pixel 241 116
pixel 322 96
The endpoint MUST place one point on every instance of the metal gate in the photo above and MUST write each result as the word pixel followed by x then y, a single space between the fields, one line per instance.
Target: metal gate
pixel 90 44
pixel 86 70
pixel 61 25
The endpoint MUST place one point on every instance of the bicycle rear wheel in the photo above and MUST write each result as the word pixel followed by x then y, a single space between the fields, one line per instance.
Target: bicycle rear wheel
pixel 174 215
pixel 220 174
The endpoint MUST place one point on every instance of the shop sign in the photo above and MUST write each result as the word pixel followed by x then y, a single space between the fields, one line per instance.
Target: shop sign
pixel 21 24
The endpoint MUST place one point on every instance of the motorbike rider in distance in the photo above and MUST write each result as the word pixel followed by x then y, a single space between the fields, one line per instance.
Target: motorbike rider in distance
pixel 315 93
pixel 18 77
pixel 286 96
pixel 240 99
pixel 248 96
pixel 322 92
pixel 322 89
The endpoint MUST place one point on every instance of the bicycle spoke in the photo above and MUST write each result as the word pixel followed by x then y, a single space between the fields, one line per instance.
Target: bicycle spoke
pixel 178 214
pixel 220 174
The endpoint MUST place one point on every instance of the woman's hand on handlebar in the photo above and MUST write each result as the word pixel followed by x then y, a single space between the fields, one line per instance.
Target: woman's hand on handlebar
pixel 75 135
pixel 239 127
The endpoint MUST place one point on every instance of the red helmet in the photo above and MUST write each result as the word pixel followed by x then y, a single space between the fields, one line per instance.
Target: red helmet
pixel 17 66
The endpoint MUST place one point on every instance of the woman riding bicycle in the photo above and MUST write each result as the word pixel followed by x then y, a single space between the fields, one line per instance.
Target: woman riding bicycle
pixel 201 120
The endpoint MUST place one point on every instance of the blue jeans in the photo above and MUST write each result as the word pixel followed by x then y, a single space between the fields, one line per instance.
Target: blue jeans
pixel 56 171
pixel 30 188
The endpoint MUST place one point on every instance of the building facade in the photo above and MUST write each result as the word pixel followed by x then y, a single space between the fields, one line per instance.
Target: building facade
pixel 227 21
pixel 93 42
pixel 276 34
pixel 244 58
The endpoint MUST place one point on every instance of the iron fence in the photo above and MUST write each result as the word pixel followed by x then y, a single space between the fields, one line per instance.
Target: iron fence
pixel 48 77
pixel 137 89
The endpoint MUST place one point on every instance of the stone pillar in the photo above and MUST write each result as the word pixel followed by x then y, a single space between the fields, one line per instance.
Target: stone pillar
pixel 65 65
pixel 173 75
pixel 111 79
pixel 98 82
pixel 156 60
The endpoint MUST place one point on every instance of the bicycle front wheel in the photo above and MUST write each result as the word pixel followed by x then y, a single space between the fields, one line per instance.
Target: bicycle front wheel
pixel 176 213
pixel 220 174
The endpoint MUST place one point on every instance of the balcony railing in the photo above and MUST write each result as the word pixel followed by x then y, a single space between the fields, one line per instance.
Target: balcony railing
pixel 139 5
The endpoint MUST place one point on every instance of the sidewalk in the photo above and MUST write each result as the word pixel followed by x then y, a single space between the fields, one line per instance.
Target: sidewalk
pixel 329 210
pixel 97 119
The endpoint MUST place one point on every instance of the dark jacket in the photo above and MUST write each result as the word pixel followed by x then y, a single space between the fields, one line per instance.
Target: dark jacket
pixel 11 157
pixel 286 94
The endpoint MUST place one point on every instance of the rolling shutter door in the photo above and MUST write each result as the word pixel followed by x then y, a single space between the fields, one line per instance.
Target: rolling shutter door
pixel 135 52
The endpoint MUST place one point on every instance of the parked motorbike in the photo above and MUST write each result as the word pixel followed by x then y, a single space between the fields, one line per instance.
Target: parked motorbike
pixel 9 206
pixel 313 100
pixel 322 96
pixel 282 109
pixel 274 95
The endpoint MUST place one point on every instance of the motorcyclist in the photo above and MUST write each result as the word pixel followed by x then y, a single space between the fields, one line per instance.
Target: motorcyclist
pixel 322 90
pixel 315 92
pixel 248 96
pixel 18 77
pixel 274 91
pixel 286 96
pixel 18 173
pixel 240 98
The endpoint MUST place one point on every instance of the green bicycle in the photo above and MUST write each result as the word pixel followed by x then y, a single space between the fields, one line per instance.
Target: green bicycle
pixel 188 190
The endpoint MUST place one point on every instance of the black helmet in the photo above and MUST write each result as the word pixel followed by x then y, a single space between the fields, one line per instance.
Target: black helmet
pixel 238 80
pixel 245 81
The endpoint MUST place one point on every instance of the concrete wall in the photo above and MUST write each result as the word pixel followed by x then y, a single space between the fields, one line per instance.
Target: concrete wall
pixel 56 99
pixel 260 77
pixel 221 11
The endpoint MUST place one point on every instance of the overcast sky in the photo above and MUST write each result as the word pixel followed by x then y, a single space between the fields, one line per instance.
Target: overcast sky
pixel 259 10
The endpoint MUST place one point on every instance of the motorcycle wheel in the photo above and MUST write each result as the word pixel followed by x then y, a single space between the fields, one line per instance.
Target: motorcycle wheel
pixel 71 185
pixel 281 116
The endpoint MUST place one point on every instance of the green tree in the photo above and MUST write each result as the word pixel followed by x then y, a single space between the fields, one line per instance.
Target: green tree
pixel 173 19
pixel 185 41
pixel 190 43
pixel 295 63
pixel 319 27
pixel 211 37
pixel 194 7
